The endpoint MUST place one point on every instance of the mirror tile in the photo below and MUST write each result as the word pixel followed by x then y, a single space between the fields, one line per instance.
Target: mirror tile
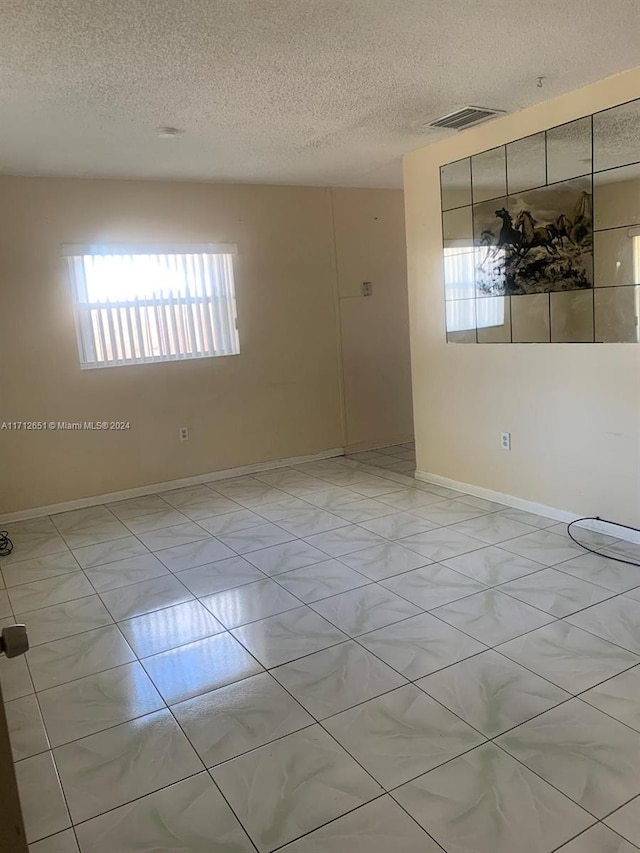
pixel 526 163
pixel 530 318
pixel 455 184
pixel 569 150
pixel 572 317
pixel 616 136
pixel 616 198
pixel 489 174
pixel 616 257
pixel 617 314
pixel 493 319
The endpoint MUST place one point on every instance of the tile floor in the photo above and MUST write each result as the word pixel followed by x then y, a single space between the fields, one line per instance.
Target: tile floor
pixel 322 659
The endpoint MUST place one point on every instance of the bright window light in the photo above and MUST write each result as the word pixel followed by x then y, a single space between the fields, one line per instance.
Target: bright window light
pixel 464 310
pixel 136 304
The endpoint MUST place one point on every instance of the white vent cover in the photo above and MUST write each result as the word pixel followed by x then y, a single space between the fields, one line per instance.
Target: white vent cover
pixel 460 119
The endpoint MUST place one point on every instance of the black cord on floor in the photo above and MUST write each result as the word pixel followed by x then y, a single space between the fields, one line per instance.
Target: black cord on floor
pixel 6 545
pixel 599 553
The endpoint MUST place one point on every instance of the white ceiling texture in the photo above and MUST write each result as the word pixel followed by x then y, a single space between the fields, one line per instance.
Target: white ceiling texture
pixel 317 92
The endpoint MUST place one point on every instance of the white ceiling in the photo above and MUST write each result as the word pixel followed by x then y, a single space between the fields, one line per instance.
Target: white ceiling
pixel 279 91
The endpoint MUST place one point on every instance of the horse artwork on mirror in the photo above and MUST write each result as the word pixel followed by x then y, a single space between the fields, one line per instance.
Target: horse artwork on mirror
pixel 543 241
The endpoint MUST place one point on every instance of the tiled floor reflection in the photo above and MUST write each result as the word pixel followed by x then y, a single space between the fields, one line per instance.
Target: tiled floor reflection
pixel 327 658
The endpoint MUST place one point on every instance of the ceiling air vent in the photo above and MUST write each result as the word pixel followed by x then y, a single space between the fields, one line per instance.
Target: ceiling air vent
pixel 460 119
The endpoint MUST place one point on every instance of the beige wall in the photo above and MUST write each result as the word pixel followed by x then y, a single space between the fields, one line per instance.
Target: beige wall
pixel 573 409
pixel 370 246
pixel 280 397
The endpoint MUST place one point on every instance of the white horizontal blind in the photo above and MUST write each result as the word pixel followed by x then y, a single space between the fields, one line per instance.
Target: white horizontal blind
pixel 464 310
pixel 136 304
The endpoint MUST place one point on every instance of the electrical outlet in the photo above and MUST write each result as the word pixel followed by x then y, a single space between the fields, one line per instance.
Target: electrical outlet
pixel 367 288
pixel 183 432
pixel 505 440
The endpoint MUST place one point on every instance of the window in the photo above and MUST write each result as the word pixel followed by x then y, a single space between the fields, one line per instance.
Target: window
pixel 135 304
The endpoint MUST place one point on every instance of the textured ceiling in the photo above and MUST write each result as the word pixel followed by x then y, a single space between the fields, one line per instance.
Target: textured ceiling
pixel 279 91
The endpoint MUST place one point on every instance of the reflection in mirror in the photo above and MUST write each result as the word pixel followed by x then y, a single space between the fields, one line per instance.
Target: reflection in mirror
pixel 491 222
pixel 489 174
pixel 458 273
pixel 530 318
pixel 455 183
pixel 616 257
pixel 457 228
pixel 616 197
pixel 616 136
pixel 461 321
pixel 617 314
pixel 526 166
pixel 569 150
pixel 493 318
pixel 572 317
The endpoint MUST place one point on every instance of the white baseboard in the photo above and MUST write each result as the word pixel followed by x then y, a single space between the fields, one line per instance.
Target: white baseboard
pixel 528 506
pixel 151 489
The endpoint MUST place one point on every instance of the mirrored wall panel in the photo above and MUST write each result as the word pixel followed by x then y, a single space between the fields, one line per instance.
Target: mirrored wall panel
pixel 541 237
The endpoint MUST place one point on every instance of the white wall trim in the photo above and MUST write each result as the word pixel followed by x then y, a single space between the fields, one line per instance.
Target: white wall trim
pixel 528 506
pixel 152 488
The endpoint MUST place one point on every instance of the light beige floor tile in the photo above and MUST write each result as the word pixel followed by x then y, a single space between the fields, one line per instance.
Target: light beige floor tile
pixel 618 697
pixel 38 569
pixel 121 764
pixel 26 729
pixel 492 617
pixel 221 575
pixel 109 552
pixel 432 586
pixel 15 678
pixel 420 645
pixel 199 667
pixel 364 609
pixel 77 656
pixel 169 628
pixel 285 557
pixel 33 596
pixel 378 827
pixel 64 620
pixel 188 816
pixel 401 735
pixel 337 678
pixel 344 540
pixel 234 719
pixel 122 573
pixel 384 561
pixel 569 657
pixel 96 702
pixel 43 806
pixel 172 537
pixel 616 620
pixel 588 756
pixel 599 839
pixel 249 603
pixel 293 785
pixel 283 638
pixel 492 693
pixel 61 842
pixel 486 801
pixel 321 580
pixel 139 598
pixel 194 554
pixel 493 565
pixel 555 592
pixel 626 821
